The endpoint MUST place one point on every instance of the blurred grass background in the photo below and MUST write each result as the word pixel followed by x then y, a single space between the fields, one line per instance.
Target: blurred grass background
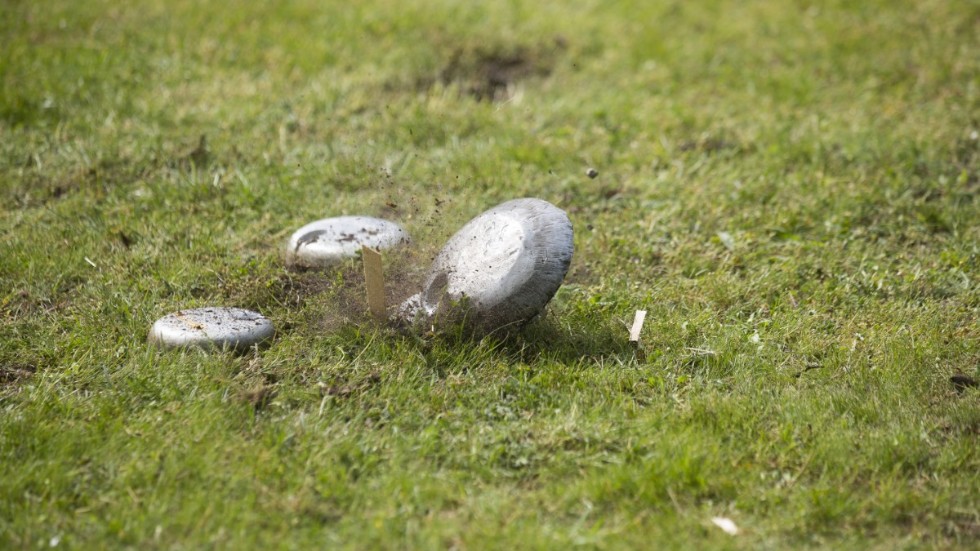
pixel 790 189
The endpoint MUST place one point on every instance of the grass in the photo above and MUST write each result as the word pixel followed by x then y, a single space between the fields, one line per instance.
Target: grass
pixel 789 188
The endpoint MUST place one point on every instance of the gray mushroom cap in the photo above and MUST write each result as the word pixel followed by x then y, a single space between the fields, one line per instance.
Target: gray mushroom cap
pixel 500 270
pixel 327 242
pixel 215 327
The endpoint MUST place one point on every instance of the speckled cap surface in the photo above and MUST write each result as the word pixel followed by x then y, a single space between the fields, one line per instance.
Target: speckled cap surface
pixel 326 242
pixel 215 327
pixel 500 269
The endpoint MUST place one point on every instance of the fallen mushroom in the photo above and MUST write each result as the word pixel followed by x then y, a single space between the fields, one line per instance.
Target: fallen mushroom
pixel 234 328
pixel 498 271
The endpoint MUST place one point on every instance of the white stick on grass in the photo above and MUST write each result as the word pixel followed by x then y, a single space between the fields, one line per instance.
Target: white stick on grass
pixel 638 319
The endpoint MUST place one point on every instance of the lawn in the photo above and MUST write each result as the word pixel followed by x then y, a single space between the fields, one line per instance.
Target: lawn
pixel 790 189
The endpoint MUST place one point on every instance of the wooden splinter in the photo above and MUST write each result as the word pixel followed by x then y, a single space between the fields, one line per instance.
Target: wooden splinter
pixel 374 282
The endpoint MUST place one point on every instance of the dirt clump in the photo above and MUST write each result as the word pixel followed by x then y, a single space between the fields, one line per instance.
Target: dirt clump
pixel 13 374
pixel 491 73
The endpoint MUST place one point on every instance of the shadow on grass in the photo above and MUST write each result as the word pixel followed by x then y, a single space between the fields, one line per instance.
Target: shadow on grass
pixel 549 340
pixel 542 340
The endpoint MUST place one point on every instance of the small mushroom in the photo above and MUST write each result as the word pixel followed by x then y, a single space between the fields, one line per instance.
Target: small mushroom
pixel 327 242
